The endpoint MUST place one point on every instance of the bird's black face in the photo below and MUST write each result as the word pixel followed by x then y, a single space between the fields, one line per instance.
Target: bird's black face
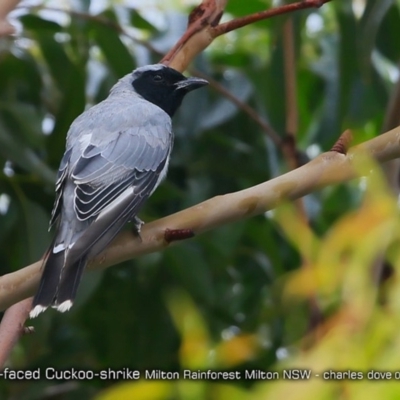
pixel 165 87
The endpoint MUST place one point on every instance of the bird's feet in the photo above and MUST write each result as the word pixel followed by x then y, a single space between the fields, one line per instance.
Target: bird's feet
pixel 137 227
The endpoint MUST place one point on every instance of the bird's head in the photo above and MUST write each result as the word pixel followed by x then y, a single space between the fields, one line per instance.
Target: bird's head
pixel 163 86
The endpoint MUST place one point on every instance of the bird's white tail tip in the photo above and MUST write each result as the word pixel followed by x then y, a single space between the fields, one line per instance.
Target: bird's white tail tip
pixel 64 306
pixel 36 311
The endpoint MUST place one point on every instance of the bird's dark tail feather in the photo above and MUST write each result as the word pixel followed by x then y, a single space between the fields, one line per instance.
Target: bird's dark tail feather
pixel 49 281
pixel 58 284
pixel 69 281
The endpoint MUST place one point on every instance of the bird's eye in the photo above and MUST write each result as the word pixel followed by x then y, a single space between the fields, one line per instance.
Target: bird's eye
pixel 158 78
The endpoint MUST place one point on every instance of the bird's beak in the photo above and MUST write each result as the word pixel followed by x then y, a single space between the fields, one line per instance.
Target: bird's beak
pixel 190 84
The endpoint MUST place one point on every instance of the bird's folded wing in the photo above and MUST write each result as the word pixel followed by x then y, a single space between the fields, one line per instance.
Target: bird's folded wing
pixel 133 158
pixel 104 173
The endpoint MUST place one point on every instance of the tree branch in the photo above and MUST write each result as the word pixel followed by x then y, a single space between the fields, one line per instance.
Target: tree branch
pixel 6 6
pixel 290 149
pixel 251 19
pixel 204 27
pixel 197 36
pixel 327 169
pixel 12 327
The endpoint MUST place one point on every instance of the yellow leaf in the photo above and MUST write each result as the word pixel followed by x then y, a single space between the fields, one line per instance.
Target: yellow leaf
pixel 236 350
pixel 195 348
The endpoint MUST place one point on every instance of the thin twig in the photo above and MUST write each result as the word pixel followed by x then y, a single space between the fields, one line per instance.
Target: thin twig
pixel 206 28
pixel 6 6
pixel 242 106
pixel 251 19
pixel 207 13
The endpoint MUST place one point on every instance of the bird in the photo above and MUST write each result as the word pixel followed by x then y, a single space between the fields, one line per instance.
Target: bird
pixel 117 153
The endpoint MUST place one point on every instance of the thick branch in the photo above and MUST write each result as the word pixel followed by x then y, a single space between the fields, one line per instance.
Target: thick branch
pixel 328 168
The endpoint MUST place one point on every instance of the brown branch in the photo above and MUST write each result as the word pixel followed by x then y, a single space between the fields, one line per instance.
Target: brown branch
pixel 12 327
pixel 6 6
pixel 207 14
pixel 204 28
pixel 251 19
pixel 326 169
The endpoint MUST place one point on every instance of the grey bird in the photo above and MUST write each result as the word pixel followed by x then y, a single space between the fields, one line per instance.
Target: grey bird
pixel 117 153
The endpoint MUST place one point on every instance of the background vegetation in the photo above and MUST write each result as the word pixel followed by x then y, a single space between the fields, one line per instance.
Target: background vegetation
pixel 274 292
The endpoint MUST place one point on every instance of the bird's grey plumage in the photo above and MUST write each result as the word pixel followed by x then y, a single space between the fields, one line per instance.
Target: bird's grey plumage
pixel 117 153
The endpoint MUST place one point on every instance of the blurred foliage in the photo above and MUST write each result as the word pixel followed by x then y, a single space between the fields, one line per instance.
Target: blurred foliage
pixel 237 298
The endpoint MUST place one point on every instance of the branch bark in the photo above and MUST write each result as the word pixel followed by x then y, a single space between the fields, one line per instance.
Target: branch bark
pixel 12 327
pixel 6 6
pixel 327 169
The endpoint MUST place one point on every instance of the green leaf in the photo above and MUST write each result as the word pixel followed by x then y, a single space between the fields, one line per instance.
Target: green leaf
pixel 36 23
pixel 388 34
pixel 24 121
pixel 139 22
pixel 190 268
pixel 22 80
pixel 242 8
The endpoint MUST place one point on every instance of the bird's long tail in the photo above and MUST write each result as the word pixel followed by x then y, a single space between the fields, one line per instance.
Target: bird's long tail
pixel 58 284
pixel 44 297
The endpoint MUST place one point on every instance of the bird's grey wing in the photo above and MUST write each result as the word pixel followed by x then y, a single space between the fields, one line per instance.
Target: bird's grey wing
pixel 133 158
